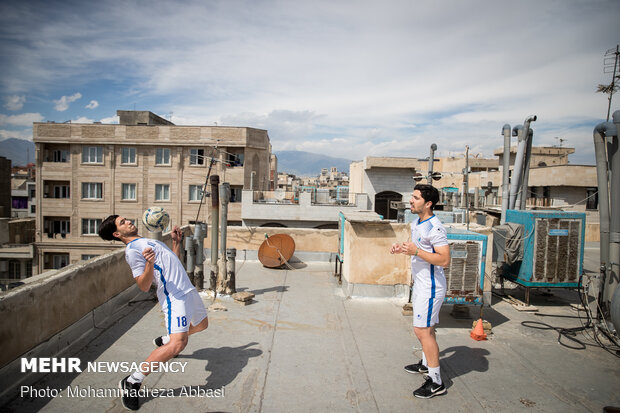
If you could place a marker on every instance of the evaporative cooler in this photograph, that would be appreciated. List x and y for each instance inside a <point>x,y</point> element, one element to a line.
<point>553,245</point>
<point>465,274</point>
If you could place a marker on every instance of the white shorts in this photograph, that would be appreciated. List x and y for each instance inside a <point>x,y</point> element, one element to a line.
<point>181,312</point>
<point>426,308</point>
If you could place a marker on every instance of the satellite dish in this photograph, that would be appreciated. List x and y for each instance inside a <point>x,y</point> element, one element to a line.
<point>276,250</point>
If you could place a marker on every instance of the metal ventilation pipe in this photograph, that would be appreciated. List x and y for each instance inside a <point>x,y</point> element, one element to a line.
<point>200,232</point>
<point>613,154</point>
<point>191,254</point>
<point>430,164</point>
<point>517,193</point>
<point>506,172</point>
<point>518,166</point>
<point>215,216</point>
<point>526,172</point>
<point>600,132</point>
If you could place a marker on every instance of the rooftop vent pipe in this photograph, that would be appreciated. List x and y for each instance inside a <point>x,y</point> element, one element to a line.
<point>521,168</point>
<point>506,172</point>
<point>613,154</point>
<point>526,169</point>
<point>430,164</point>
<point>600,132</point>
<point>515,182</point>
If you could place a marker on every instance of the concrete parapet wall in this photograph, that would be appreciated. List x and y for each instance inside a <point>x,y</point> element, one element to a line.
<point>49,303</point>
<point>367,258</point>
<point>306,239</point>
<point>52,303</point>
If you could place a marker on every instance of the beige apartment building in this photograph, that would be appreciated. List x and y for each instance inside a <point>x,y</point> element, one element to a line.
<point>553,183</point>
<point>89,171</point>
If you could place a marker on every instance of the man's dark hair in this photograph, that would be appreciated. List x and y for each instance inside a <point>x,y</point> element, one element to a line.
<point>108,228</point>
<point>429,193</point>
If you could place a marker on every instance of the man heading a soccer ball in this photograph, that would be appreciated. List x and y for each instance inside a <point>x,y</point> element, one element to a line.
<point>151,261</point>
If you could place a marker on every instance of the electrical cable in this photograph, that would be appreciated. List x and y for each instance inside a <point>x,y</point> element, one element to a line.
<point>570,333</point>
<point>204,192</point>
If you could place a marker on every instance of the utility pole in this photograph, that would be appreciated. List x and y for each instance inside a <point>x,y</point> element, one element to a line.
<point>466,185</point>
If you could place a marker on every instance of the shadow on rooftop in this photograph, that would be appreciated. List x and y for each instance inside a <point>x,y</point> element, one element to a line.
<point>460,360</point>
<point>447,320</point>
<point>276,288</point>
<point>223,365</point>
<point>544,297</point>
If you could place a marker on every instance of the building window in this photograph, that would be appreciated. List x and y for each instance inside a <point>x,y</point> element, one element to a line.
<point>592,198</point>
<point>162,192</point>
<point>129,192</point>
<point>92,154</point>
<point>195,192</point>
<point>234,159</point>
<point>33,209</point>
<point>162,156</point>
<point>14,270</point>
<point>235,194</point>
<point>90,226</point>
<point>196,156</point>
<point>19,202</point>
<point>92,190</point>
<point>86,257</point>
<point>58,225</point>
<point>60,261</point>
<point>60,155</point>
<point>128,156</point>
<point>62,191</point>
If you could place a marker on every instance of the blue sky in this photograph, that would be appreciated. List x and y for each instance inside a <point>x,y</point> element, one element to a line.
<point>344,78</point>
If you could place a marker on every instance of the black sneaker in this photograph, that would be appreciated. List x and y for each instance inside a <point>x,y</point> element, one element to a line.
<point>129,394</point>
<point>417,368</point>
<point>158,342</point>
<point>429,389</point>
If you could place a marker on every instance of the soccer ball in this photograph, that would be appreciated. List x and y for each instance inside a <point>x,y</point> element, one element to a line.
<point>155,219</point>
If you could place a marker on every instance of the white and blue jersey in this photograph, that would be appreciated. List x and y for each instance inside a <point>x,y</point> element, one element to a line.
<point>429,281</point>
<point>169,275</point>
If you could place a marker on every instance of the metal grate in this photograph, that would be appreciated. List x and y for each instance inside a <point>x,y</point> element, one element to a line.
<point>557,250</point>
<point>463,274</point>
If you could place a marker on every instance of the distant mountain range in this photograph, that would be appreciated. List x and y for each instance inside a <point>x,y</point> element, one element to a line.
<point>299,163</point>
<point>19,151</point>
<point>308,164</point>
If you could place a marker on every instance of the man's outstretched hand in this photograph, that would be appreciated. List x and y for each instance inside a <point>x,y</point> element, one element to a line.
<point>176,234</point>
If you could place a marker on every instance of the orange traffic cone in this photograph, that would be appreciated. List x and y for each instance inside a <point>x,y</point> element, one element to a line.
<point>478,332</point>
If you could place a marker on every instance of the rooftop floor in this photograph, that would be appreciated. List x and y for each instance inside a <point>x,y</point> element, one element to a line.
<point>301,346</point>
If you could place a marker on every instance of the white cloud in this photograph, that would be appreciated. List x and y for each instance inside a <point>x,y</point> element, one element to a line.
<point>62,104</point>
<point>110,120</point>
<point>82,119</point>
<point>15,102</point>
<point>92,105</point>
<point>24,119</point>
<point>19,134</point>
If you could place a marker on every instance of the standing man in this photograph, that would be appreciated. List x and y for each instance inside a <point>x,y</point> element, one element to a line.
<point>185,314</point>
<point>429,252</point>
